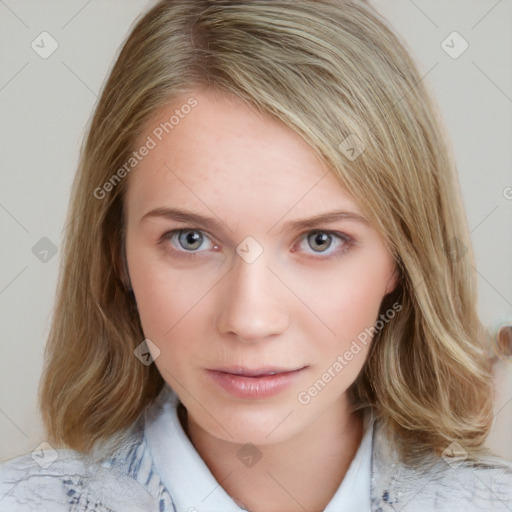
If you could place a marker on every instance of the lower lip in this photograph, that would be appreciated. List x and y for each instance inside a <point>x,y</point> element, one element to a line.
<point>254,387</point>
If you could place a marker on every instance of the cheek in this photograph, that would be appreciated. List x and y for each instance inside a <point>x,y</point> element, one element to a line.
<point>358,307</point>
<point>167,306</point>
<point>163,294</point>
<point>346,301</point>
<point>350,311</point>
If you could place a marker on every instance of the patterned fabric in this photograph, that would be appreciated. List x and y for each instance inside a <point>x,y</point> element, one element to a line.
<point>129,482</point>
<point>438,485</point>
<point>76,483</point>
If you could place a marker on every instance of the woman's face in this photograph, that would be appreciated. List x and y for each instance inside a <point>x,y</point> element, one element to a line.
<point>260,308</point>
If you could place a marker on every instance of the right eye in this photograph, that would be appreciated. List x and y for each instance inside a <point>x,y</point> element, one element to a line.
<point>188,241</point>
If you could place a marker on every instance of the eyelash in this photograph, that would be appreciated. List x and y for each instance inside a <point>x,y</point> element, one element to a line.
<point>346,243</point>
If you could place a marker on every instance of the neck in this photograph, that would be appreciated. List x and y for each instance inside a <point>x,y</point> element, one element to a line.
<point>301,473</point>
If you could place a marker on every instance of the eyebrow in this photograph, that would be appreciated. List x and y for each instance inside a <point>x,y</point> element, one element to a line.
<point>213,224</point>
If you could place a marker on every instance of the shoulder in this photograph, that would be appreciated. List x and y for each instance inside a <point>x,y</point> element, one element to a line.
<point>65,480</point>
<point>466,487</point>
<point>441,484</point>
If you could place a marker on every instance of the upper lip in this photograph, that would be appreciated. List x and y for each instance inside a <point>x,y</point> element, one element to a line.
<point>257,372</point>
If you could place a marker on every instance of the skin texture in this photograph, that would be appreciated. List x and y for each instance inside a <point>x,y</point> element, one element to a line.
<point>299,304</point>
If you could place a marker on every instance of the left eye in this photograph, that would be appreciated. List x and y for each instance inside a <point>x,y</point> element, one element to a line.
<point>321,241</point>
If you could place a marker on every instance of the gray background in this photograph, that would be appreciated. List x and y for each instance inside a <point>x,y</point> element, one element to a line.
<point>46,103</point>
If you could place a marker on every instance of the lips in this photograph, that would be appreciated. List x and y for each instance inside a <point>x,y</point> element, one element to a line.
<point>254,383</point>
<point>257,372</point>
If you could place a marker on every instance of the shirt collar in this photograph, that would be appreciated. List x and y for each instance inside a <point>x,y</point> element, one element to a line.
<point>354,490</point>
<point>186,476</point>
<point>194,488</point>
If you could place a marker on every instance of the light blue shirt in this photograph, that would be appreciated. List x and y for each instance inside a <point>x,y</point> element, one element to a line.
<point>155,468</point>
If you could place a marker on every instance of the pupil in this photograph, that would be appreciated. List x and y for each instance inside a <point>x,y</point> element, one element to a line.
<point>321,239</point>
<point>192,239</point>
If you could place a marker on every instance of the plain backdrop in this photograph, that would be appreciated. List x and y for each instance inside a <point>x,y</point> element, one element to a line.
<point>46,103</point>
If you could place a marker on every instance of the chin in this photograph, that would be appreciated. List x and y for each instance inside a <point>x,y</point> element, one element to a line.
<point>255,423</point>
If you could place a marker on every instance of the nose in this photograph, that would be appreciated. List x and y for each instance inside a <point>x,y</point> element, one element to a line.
<point>252,307</point>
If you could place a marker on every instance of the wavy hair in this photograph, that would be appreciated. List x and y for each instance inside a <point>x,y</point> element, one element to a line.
<point>328,70</point>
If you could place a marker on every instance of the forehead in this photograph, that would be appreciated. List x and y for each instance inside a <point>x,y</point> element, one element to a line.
<point>224,156</point>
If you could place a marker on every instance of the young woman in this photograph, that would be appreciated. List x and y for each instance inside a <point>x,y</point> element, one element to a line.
<point>264,304</point>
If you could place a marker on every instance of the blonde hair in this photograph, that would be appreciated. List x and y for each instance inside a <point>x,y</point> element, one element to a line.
<point>328,70</point>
